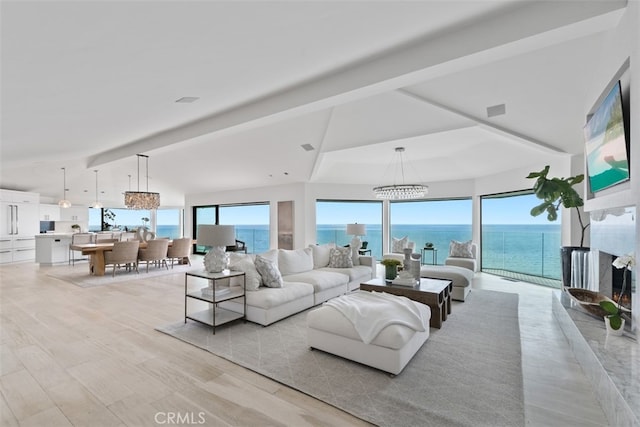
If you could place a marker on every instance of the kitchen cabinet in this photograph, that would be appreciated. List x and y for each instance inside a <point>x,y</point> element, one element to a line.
<point>49,212</point>
<point>19,223</point>
<point>77,214</point>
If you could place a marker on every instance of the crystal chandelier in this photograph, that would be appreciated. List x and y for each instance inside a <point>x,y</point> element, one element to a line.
<point>64,203</point>
<point>142,199</point>
<point>400,191</point>
<point>96,204</point>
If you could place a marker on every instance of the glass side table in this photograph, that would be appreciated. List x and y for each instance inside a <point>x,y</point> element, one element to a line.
<point>221,287</point>
<point>434,255</point>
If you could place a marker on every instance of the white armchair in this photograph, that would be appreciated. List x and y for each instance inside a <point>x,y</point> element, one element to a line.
<point>463,255</point>
<point>397,248</point>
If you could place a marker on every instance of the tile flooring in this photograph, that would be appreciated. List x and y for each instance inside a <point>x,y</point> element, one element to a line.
<point>90,356</point>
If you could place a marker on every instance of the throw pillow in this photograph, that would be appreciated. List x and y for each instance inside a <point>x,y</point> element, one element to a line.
<point>460,249</point>
<point>269,271</point>
<point>397,245</point>
<point>340,258</point>
<point>295,261</point>
<point>244,262</point>
<point>321,254</point>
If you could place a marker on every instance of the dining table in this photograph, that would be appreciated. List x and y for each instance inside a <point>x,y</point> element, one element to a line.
<point>96,251</point>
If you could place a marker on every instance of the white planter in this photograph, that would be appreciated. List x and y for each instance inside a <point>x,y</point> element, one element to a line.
<point>610,330</point>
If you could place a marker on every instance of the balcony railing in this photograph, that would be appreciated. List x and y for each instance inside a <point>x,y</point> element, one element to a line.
<point>525,253</point>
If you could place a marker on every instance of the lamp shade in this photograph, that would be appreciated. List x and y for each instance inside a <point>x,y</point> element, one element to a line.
<point>356,229</point>
<point>216,235</point>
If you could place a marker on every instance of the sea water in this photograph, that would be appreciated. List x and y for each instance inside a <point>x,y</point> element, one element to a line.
<point>521,248</point>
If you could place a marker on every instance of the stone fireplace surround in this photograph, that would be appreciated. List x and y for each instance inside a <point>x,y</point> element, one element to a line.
<point>611,363</point>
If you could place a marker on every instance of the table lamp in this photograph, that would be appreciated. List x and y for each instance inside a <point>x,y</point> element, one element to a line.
<point>356,230</point>
<point>217,238</point>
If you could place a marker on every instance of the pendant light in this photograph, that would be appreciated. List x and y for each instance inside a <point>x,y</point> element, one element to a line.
<point>400,191</point>
<point>96,204</point>
<point>64,203</point>
<point>142,199</point>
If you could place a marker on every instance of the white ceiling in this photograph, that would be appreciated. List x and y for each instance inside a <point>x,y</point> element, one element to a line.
<point>87,85</point>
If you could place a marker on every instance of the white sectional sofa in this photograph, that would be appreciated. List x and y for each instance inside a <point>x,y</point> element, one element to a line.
<point>307,280</point>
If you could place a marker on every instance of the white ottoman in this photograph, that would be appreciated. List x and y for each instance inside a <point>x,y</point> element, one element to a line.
<point>461,278</point>
<point>328,330</point>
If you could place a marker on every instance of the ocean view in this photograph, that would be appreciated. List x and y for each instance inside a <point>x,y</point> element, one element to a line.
<point>528,249</point>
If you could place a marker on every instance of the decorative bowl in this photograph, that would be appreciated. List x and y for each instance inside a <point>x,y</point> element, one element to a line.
<point>589,301</point>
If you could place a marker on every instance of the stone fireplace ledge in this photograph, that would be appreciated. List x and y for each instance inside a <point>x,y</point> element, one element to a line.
<point>611,363</point>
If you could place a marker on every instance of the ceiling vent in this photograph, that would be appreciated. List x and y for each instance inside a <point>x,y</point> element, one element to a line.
<point>496,110</point>
<point>187,99</point>
<point>307,147</point>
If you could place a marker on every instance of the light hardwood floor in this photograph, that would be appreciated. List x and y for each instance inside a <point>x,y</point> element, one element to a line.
<point>91,357</point>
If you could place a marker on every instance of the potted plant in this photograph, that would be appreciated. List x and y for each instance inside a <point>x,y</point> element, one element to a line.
<point>145,220</point>
<point>614,320</point>
<point>428,245</point>
<point>75,228</point>
<point>390,268</point>
<point>556,192</point>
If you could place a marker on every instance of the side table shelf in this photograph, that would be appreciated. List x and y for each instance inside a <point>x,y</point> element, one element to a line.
<point>214,315</point>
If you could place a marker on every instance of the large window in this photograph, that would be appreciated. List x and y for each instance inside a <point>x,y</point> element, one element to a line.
<point>251,222</point>
<point>514,242</point>
<point>169,223</point>
<point>333,216</point>
<point>117,219</point>
<point>432,221</point>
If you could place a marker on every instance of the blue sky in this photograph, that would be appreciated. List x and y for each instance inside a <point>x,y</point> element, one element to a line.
<point>511,210</point>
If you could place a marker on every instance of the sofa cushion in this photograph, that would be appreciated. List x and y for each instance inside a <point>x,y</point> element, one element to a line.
<point>320,279</point>
<point>267,298</point>
<point>340,258</point>
<point>321,254</point>
<point>271,255</point>
<point>295,261</point>
<point>398,245</point>
<point>244,262</point>
<point>460,249</point>
<point>268,269</point>
<point>357,272</point>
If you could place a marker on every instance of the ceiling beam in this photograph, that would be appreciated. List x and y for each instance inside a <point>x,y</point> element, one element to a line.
<point>527,26</point>
<point>530,141</point>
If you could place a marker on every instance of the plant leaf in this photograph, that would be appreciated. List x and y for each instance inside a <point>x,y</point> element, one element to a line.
<point>615,321</point>
<point>609,307</point>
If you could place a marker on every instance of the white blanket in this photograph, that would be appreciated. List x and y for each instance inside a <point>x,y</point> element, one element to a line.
<point>371,312</point>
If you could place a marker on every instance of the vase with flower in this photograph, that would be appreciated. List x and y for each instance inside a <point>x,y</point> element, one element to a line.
<point>614,320</point>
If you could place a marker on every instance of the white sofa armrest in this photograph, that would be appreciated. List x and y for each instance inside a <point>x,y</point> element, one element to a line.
<point>369,261</point>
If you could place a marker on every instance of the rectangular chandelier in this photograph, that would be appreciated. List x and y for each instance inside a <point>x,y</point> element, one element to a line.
<point>141,200</point>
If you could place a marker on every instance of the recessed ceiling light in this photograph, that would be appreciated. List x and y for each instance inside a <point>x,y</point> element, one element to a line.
<point>187,99</point>
<point>307,147</point>
<point>496,110</point>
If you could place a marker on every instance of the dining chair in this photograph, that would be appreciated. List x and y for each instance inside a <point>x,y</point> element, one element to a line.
<point>103,237</point>
<point>180,250</point>
<point>78,239</point>
<point>123,253</point>
<point>156,252</point>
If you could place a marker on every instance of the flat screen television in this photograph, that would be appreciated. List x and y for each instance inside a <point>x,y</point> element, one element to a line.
<point>607,148</point>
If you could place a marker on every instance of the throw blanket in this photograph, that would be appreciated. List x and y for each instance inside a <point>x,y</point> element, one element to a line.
<point>371,312</point>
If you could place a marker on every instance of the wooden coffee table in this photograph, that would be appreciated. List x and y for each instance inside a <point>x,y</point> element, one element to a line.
<point>436,293</point>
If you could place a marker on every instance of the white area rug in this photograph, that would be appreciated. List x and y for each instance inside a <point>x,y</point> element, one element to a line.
<point>469,373</point>
<point>78,274</point>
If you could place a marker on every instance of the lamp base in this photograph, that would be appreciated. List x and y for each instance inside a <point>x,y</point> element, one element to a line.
<point>216,260</point>
<point>355,246</point>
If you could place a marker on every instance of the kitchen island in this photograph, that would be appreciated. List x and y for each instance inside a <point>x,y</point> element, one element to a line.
<point>52,248</point>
